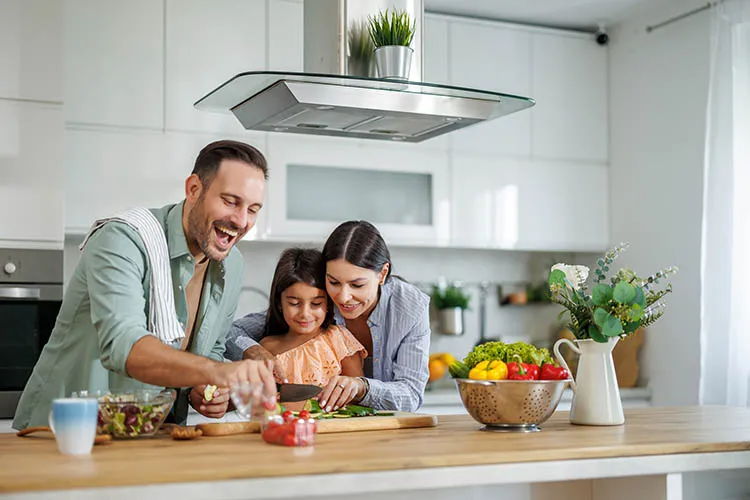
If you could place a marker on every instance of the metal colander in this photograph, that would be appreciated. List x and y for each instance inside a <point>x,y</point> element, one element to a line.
<point>511,405</point>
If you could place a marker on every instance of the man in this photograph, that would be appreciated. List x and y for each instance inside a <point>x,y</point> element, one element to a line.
<point>101,340</point>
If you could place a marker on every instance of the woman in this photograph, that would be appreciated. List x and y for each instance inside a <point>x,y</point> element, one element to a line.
<point>388,316</point>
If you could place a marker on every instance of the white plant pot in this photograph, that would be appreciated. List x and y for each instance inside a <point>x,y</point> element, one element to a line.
<point>393,61</point>
<point>451,321</point>
<point>596,395</point>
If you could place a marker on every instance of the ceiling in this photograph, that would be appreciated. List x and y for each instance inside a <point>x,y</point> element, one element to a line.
<point>585,15</point>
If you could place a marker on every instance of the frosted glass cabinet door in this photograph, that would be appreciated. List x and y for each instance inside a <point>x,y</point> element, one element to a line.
<point>319,183</point>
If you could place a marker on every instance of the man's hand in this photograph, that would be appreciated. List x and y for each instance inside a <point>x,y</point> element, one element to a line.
<point>258,374</point>
<point>257,352</point>
<point>216,407</point>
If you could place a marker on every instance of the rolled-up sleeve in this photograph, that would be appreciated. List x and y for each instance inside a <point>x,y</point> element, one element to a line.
<point>244,333</point>
<point>115,269</point>
<point>410,372</point>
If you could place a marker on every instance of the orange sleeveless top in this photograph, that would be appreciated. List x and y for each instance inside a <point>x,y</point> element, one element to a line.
<point>318,360</point>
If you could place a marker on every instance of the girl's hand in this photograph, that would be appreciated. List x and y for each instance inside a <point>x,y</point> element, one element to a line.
<point>340,391</point>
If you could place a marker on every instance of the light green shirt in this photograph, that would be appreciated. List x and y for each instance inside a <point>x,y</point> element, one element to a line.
<point>105,310</point>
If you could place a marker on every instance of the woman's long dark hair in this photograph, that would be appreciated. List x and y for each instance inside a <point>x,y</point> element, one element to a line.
<point>296,265</point>
<point>358,242</point>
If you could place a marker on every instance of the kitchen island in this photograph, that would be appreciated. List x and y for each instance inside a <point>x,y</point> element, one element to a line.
<point>649,457</point>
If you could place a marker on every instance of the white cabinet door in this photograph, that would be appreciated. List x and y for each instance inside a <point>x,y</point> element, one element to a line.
<point>435,62</point>
<point>527,205</point>
<point>207,43</point>
<point>488,56</point>
<point>563,206</point>
<point>113,62</point>
<point>570,86</point>
<point>485,202</point>
<point>31,50</point>
<point>317,183</point>
<point>285,35</point>
<point>31,194</point>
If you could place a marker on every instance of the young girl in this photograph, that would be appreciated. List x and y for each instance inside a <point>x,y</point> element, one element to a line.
<point>300,329</point>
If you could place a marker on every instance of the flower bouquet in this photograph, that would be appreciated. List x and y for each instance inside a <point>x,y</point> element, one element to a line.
<point>613,308</point>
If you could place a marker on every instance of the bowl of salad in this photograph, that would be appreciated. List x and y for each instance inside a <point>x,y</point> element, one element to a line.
<point>133,414</point>
<point>509,387</point>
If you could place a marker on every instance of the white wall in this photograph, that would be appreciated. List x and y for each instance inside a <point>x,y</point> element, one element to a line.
<point>658,93</point>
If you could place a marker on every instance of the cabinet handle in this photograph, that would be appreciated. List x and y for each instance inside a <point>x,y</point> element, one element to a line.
<point>20,293</point>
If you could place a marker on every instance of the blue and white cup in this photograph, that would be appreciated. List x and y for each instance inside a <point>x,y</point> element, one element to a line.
<point>73,421</point>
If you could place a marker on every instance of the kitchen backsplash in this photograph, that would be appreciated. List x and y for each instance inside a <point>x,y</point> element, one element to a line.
<point>423,266</point>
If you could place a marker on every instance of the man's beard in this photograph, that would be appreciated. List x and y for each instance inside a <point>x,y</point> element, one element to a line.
<point>201,232</point>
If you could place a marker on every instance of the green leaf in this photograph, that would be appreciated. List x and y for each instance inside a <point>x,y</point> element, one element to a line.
<point>596,335</point>
<point>601,294</point>
<point>623,293</point>
<point>557,277</point>
<point>640,297</point>
<point>612,327</point>
<point>600,316</point>
<point>632,326</point>
<point>635,313</point>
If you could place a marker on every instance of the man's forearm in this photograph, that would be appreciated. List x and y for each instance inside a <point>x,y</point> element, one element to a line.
<point>258,353</point>
<point>154,363</point>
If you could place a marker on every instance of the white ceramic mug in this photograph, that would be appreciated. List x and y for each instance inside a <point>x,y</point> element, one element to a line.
<point>73,421</point>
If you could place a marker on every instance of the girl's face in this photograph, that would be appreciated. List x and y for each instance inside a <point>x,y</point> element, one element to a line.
<point>304,308</point>
<point>353,289</point>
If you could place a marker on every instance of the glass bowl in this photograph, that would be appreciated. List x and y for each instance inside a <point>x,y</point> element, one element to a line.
<point>132,414</point>
<point>287,430</point>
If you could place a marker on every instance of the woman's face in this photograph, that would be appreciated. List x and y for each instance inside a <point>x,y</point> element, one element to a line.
<point>304,308</point>
<point>353,289</point>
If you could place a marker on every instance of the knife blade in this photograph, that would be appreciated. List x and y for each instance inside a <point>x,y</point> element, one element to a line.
<point>297,392</point>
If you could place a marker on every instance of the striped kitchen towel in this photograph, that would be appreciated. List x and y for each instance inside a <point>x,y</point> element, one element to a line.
<point>162,318</point>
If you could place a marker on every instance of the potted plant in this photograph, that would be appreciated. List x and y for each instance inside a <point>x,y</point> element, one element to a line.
<point>392,32</point>
<point>614,308</point>
<point>450,302</point>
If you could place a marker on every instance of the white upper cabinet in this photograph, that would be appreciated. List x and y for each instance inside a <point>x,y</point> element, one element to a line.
<point>113,62</point>
<point>563,206</point>
<point>207,43</point>
<point>435,57</point>
<point>569,120</point>
<point>285,35</point>
<point>529,205</point>
<point>490,56</point>
<point>31,50</point>
<point>31,196</point>
<point>317,183</point>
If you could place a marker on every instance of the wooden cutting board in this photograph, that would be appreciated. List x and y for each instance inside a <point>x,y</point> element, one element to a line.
<point>400,420</point>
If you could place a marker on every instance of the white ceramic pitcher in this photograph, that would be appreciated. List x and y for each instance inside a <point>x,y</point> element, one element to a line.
<point>596,395</point>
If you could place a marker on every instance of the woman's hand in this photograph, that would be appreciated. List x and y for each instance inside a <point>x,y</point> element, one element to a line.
<point>340,391</point>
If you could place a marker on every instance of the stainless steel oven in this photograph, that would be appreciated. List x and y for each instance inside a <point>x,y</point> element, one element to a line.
<point>31,284</point>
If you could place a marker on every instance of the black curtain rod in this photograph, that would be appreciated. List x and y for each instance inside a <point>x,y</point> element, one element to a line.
<point>671,20</point>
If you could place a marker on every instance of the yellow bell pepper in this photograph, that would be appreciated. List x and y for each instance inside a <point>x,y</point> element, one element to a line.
<point>482,365</point>
<point>497,370</point>
<point>477,374</point>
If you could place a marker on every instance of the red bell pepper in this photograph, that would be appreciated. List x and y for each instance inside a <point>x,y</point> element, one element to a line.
<point>522,371</point>
<point>552,372</point>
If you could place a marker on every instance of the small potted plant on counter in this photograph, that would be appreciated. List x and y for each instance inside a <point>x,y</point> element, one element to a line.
<point>450,302</point>
<point>392,32</point>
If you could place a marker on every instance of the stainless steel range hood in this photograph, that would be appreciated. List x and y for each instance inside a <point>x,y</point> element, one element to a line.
<point>339,93</point>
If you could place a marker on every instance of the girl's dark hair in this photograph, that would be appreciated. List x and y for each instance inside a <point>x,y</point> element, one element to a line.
<point>358,242</point>
<point>296,265</point>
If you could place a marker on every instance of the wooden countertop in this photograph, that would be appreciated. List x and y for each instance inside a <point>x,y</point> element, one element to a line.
<point>34,464</point>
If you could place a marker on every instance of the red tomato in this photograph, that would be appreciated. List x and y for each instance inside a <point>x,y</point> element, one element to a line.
<point>287,416</point>
<point>304,414</point>
<point>289,440</point>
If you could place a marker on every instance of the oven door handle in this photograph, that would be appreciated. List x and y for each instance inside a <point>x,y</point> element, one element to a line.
<point>20,293</point>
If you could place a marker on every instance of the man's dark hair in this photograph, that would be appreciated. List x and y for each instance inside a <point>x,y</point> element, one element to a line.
<point>208,160</point>
<point>296,265</point>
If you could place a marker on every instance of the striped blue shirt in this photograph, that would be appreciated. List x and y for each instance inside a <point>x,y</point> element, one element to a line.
<point>400,329</point>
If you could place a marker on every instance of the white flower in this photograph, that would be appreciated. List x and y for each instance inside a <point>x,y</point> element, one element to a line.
<point>575,275</point>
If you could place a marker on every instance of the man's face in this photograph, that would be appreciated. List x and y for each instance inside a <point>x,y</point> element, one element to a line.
<point>222,214</point>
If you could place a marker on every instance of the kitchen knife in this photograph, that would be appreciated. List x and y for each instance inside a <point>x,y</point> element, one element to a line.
<point>297,392</point>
